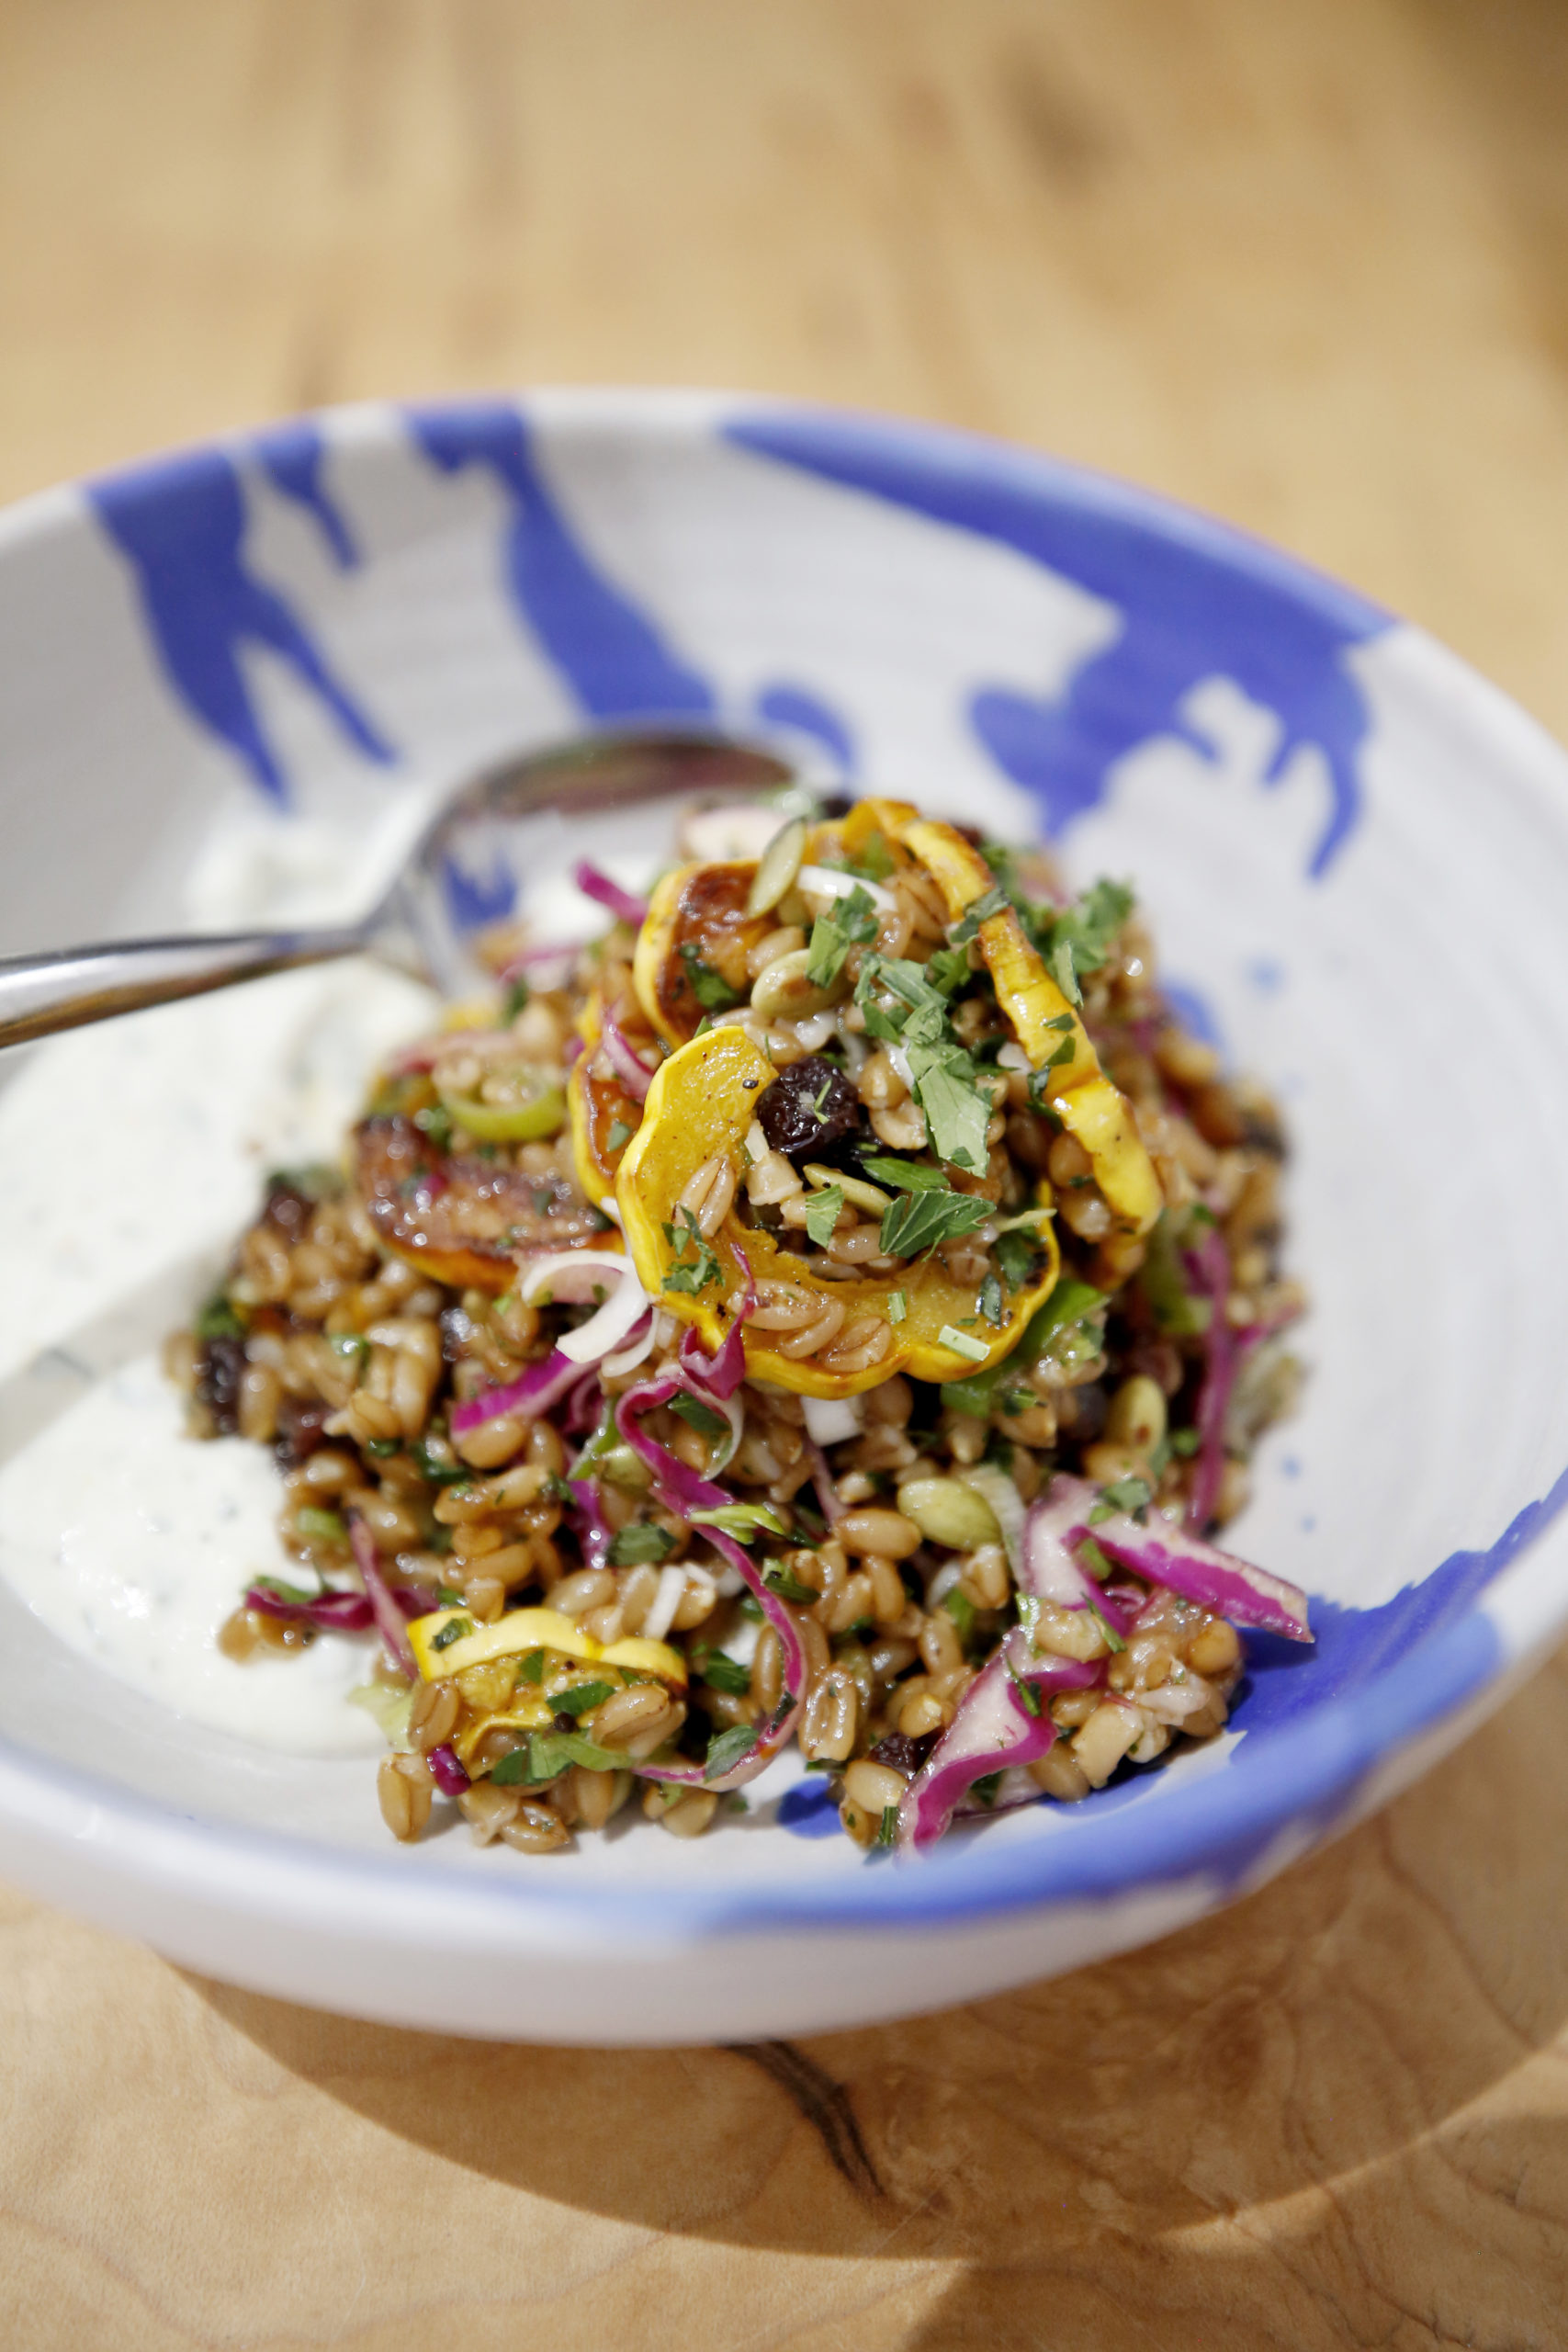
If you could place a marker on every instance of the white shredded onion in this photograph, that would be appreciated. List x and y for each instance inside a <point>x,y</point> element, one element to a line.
<point>569,1275</point>
<point>579,1268</point>
<point>627,1359</point>
<point>665,1602</point>
<point>830,1418</point>
<point>826,882</point>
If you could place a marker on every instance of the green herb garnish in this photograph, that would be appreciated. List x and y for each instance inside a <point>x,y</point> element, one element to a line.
<point>920,1220</point>
<point>320,1526</point>
<point>721,1672</point>
<point>579,1697</point>
<point>704,1267</point>
<point>780,1582</point>
<point>698,1416</point>
<point>619,1135</point>
<point>850,922</point>
<point>1132,1495</point>
<point>711,989</point>
<point>822,1214</point>
<point>888,1829</point>
<point>633,1547</point>
<point>218,1319</point>
<point>458,1630</point>
<point>726,1749</point>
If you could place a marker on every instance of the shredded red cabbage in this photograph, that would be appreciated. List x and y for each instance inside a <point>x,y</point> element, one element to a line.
<point>595,884</point>
<point>532,1393</point>
<point>588,1519</point>
<point>994,1730</point>
<point>724,1372</point>
<point>822,1484</point>
<point>388,1616</point>
<point>1047,1569</point>
<point>628,1063</point>
<point>450,1776</point>
<point>334,1612</point>
<point>1183,1563</point>
<point>683,1491</point>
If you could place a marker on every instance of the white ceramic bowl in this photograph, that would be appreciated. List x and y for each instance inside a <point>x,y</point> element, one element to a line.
<point>1355,858</point>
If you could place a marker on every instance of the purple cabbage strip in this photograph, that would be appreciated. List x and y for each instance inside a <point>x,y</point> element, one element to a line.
<point>1212,1266</point>
<point>449,1775</point>
<point>332,1612</point>
<point>822,1484</point>
<point>683,1491</point>
<point>337,1611</point>
<point>724,1372</point>
<point>594,883</point>
<point>626,1062</point>
<point>1182,1563</point>
<point>388,1616</point>
<point>533,1393</point>
<point>992,1731</point>
<point>1048,1569</point>
<point>588,1519</point>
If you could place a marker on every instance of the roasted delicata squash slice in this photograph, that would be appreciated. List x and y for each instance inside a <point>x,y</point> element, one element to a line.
<point>448,1641</point>
<point>605,1117</point>
<point>699,1110</point>
<point>692,949</point>
<point>1046,1026</point>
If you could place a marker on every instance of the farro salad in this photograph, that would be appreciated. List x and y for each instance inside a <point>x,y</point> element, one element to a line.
<point>833,1308</point>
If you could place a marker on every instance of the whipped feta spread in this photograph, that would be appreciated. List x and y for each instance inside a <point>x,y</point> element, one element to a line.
<point>130,1155</point>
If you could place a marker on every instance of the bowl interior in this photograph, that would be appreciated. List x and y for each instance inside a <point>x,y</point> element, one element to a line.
<point>231,682</point>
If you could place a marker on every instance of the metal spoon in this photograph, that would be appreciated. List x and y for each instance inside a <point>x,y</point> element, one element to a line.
<point>412,926</point>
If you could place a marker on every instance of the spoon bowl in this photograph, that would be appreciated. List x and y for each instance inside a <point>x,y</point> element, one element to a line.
<point>422,924</point>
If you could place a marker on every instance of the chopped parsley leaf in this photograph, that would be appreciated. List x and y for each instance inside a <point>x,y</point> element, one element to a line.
<point>726,1749</point>
<point>1017,1255</point>
<point>619,1136</point>
<point>822,1213</point>
<point>961,1609</point>
<point>704,1267</point>
<point>907,1174</point>
<point>849,922</point>
<point>711,989</point>
<point>994,903</point>
<point>532,1667</point>
<point>218,1319</point>
<point>1133,1494</point>
<point>888,1829</point>
<point>784,1586</point>
<point>631,1547</point>
<point>721,1672</point>
<point>1184,1442</point>
<point>514,1000</point>
<point>699,1417</point>
<point>456,1631</point>
<point>920,1220</point>
<point>581,1697</point>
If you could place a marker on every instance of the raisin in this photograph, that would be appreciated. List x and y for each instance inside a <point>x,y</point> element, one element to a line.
<point>219,1369</point>
<point>808,1109</point>
<point>288,1210</point>
<point>905,1755</point>
<point>302,1428</point>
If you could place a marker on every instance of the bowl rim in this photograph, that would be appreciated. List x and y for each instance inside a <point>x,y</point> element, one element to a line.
<point>1231,1827</point>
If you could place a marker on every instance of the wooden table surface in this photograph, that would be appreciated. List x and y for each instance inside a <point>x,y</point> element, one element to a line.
<point>1298,261</point>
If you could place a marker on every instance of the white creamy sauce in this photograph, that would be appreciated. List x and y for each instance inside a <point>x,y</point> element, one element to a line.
<point>130,1157</point>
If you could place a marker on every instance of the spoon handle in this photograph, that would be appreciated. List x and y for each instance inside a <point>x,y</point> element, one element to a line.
<point>39,994</point>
